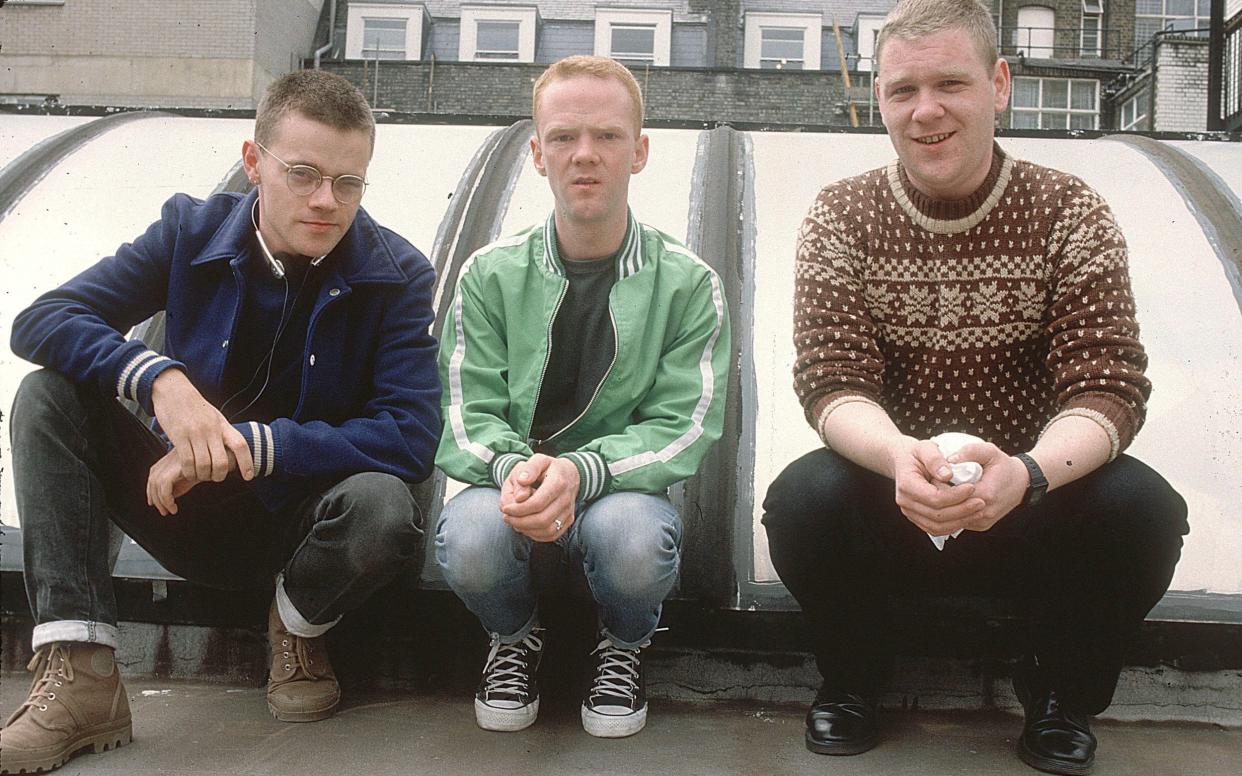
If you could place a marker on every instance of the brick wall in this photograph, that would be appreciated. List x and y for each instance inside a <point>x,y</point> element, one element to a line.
<point>172,53</point>
<point>1117,26</point>
<point>488,89</point>
<point>223,28</point>
<point>1181,85</point>
<point>722,39</point>
<point>1119,16</point>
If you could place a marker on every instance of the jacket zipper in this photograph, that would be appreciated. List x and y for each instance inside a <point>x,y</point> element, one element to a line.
<point>547,356</point>
<point>615,347</point>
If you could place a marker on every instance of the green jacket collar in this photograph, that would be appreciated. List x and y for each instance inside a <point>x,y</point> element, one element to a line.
<point>629,258</point>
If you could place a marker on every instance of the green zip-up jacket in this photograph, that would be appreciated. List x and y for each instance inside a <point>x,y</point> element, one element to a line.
<point>661,403</point>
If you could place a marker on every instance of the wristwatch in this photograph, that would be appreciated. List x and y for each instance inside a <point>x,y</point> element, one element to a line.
<point>1039,483</point>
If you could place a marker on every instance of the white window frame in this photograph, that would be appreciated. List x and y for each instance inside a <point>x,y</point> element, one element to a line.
<point>1093,20</point>
<point>1041,108</point>
<point>1139,103</point>
<point>812,40</point>
<point>1036,41</point>
<point>525,16</point>
<point>505,54</point>
<point>866,28</point>
<point>413,13</point>
<point>1166,19</point>
<point>662,21</point>
<point>401,29</point>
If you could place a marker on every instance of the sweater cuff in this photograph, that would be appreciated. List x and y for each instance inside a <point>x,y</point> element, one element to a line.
<point>502,465</point>
<point>263,448</point>
<point>1115,445</point>
<point>593,476</point>
<point>138,375</point>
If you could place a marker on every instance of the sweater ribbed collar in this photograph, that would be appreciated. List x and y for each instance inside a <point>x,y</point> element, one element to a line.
<point>949,217</point>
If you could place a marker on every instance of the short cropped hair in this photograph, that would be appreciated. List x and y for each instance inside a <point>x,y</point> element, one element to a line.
<point>317,95</point>
<point>597,67</point>
<point>916,18</point>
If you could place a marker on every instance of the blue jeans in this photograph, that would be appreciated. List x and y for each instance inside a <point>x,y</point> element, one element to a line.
<point>627,543</point>
<point>80,461</point>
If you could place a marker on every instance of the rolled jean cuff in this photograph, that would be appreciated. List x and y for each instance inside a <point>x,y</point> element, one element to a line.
<point>621,644</point>
<point>521,633</point>
<point>83,631</point>
<point>293,620</point>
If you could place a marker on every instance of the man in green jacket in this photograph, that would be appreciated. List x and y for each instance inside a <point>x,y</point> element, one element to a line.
<point>586,360</point>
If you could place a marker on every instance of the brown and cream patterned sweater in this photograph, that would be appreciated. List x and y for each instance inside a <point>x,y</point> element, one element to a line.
<point>994,315</point>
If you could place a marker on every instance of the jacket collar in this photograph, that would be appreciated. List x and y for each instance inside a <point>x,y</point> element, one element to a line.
<point>630,258</point>
<point>362,255</point>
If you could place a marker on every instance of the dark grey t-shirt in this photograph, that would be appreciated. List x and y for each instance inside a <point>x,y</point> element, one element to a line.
<point>583,346</point>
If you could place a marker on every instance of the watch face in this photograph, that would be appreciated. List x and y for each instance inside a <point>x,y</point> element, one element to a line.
<point>1038,483</point>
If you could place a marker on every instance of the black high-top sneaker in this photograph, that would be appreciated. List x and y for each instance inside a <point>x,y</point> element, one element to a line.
<point>615,705</point>
<point>508,694</point>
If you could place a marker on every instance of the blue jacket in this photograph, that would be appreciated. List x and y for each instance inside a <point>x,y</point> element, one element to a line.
<point>370,391</point>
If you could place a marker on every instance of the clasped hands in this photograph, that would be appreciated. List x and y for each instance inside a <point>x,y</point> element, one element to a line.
<point>925,496</point>
<point>205,446</point>
<point>537,498</point>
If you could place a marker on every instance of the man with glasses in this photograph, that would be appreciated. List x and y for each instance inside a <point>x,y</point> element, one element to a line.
<point>295,397</point>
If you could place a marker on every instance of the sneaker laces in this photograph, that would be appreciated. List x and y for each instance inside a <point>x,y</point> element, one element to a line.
<point>616,675</point>
<point>56,668</point>
<point>508,669</point>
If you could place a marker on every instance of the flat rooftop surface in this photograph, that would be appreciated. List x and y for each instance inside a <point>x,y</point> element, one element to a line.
<point>190,729</point>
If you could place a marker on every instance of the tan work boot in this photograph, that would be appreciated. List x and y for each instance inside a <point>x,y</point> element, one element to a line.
<point>76,702</point>
<point>301,686</point>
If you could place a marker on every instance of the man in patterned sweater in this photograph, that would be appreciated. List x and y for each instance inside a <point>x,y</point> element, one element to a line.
<point>960,289</point>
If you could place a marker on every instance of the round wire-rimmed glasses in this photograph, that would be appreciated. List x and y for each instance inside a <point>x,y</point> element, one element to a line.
<point>304,180</point>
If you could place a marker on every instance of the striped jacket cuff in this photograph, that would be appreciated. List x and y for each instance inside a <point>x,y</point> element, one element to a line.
<point>138,375</point>
<point>502,465</point>
<point>262,444</point>
<point>593,476</point>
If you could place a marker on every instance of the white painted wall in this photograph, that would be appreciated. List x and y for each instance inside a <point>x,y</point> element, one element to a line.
<point>102,195</point>
<point>1191,324</point>
<point>109,191</point>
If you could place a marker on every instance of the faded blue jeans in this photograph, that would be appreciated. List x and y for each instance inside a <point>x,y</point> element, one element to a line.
<point>628,545</point>
<point>80,461</point>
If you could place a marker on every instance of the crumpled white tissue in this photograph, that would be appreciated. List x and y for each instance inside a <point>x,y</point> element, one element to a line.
<point>967,471</point>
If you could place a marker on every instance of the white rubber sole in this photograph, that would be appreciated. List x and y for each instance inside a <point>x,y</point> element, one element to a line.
<point>613,726</point>
<point>505,720</point>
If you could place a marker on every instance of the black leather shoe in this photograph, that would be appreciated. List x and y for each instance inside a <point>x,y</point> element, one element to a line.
<point>1055,739</point>
<point>841,723</point>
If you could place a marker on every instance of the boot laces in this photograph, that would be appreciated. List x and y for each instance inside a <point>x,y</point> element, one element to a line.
<point>56,672</point>
<point>616,675</point>
<point>303,654</point>
<point>509,669</point>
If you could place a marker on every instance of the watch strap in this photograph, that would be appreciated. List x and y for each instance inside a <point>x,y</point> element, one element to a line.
<point>1039,483</point>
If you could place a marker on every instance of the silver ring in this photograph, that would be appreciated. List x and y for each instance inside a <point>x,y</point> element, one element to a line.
<point>558,524</point>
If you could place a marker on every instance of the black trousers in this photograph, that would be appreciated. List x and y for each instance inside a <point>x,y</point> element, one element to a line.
<point>80,461</point>
<point>1088,563</point>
